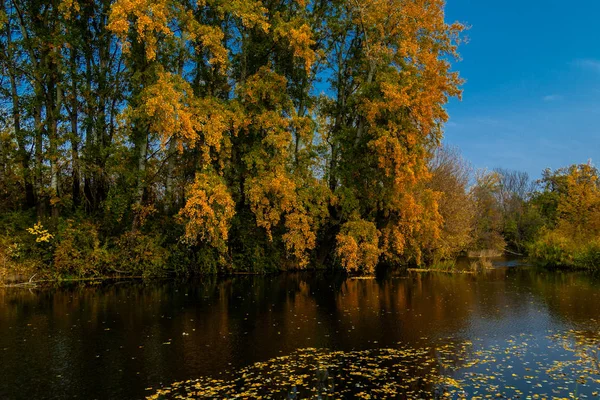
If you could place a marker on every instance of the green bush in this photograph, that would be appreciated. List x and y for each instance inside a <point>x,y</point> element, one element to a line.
<point>78,252</point>
<point>555,250</point>
<point>139,254</point>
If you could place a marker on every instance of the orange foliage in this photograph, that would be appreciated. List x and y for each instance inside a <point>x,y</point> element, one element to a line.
<point>404,84</point>
<point>357,246</point>
<point>175,114</point>
<point>150,19</point>
<point>208,211</point>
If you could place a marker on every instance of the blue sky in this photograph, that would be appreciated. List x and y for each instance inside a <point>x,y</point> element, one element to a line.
<point>532,96</point>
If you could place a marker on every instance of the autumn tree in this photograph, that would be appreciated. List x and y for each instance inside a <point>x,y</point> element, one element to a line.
<point>570,198</point>
<point>391,78</point>
<point>488,237</point>
<point>451,176</point>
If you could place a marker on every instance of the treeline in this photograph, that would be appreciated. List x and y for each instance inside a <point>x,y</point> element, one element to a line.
<point>554,221</point>
<point>156,136</point>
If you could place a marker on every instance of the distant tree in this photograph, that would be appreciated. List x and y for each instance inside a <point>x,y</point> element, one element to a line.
<point>520,221</point>
<point>488,212</point>
<point>570,202</point>
<point>450,176</point>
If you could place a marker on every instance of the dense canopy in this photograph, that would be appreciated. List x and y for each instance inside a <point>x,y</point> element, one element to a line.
<point>284,132</point>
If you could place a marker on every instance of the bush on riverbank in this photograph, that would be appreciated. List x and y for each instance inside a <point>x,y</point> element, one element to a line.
<point>570,202</point>
<point>555,250</point>
<point>75,249</point>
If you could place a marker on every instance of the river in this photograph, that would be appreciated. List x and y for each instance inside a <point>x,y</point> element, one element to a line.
<point>125,340</point>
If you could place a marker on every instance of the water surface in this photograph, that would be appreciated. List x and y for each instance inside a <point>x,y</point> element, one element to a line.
<point>124,340</point>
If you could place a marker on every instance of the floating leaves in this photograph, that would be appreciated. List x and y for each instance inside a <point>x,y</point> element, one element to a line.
<point>557,366</point>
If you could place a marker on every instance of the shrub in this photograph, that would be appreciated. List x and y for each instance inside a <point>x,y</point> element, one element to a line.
<point>139,254</point>
<point>78,252</point>
<point>555,250</point>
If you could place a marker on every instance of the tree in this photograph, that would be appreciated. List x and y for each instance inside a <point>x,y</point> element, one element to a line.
<point>570,202</point>
<point>488,213</point>
<point>451,176</point>
<point>391,79</point>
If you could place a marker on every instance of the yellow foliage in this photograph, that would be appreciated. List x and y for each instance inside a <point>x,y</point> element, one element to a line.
<point>358,246</point>
<point>150,18</point>
<point>298,35</point>
<point>579,206</point>
<point>273,192</point>
<point>210,38</point>
<point>252,13</point>
<point>270,196</point>
<point>41,235</point>
<point>208,211</point>
<point>174,113</point>
<point>69,7</point>
<point>300,236</point>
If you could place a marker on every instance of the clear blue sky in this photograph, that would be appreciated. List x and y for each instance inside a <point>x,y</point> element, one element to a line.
<point>532,96</point>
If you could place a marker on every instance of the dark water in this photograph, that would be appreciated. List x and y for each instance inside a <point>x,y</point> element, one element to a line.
<point>119,340</point>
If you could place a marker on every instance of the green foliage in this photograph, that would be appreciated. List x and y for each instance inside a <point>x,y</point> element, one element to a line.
<point>488,214</point>
<point>552,249</point>
<point>78,252</point>
<point>139,254</point>
<point>570,205</point>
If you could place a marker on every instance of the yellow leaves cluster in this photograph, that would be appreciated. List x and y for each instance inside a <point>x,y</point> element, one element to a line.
<point>209,38</point>
<point>454,369</point>
<point>358,246</point>
<point>174,113</point>
<point>167,104</point>
<point>266,89</point>
<point>252,13</point>
<point>579,206</point>
<point>299,37</point>
<point>149,19</point>
<point>273,197</point>
<point>300,235</point>
<point>270,196</point>
<point>208,211</point>
<point>273,193</point>
<point>68,8</point>
<point>41,235</point>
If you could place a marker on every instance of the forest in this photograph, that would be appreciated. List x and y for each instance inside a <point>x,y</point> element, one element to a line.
<point>175,137</point>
